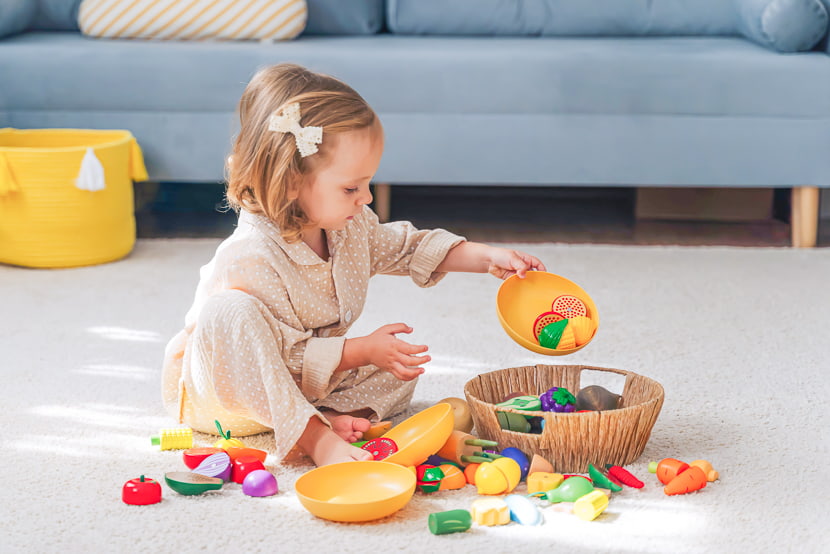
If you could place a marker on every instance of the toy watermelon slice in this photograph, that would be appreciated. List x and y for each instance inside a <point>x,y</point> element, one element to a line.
<point>569,306</point>
<point>380,448</point>
<point>544,320</point>
<point>186,483</point>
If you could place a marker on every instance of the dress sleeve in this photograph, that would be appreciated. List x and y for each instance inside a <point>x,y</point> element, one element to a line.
<point>398,248</point>
<point>312,360</point>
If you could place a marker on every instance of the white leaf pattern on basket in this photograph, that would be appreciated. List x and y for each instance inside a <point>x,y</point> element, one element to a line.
<point>91,176</point>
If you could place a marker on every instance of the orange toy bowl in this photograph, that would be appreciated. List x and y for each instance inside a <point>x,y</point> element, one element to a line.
<point>520,301</point>
<point>355,491</point>
<point>421,435</point>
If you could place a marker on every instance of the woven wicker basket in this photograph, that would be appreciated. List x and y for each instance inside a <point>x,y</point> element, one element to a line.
<point>569,441</point>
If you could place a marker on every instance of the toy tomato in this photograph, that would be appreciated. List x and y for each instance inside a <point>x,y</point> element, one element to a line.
<point>226,441</point>
<point>141,491</point>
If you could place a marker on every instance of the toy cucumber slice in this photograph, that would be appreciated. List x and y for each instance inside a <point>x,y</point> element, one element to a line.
<point>525,403</point>
<point>544,320</point>
<point>569,306</point>
<point>188,484</point>
<point>380,448</point>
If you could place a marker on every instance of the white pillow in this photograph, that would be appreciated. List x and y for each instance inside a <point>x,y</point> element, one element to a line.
<point>193,19</point>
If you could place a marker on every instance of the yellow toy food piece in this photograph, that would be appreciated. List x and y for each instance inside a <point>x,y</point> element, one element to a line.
<point>453,478</point>
<point>377,430</point>
<point>174,439</point>
<point>567,340</point>
<point>498,477</point>
<point>588,507</point>
<point>543,482</point>
<point>583,328</point>
<point>711,474</point>
<point>490,511</point>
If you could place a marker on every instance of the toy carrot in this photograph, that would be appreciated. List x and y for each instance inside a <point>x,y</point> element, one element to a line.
<point>690,480</point>
<point>669,468</point>
<point>624,476</point>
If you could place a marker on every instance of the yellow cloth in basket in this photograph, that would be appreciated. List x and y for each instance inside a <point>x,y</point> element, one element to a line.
<point>47,217</point>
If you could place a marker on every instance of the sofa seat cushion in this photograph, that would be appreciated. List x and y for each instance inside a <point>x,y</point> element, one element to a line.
<point>710,76</point>
<point>353,17</point>
<point>16,16</point>
<point>193,20</point>
<point>783,25</point>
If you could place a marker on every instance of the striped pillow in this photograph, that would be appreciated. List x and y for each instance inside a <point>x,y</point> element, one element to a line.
<point>193,19</point>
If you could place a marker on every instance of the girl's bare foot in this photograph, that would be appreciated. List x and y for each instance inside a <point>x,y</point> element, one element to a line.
<point>347,427</point>
<point>325,446</point>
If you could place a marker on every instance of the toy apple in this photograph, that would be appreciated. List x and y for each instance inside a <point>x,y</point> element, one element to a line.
<point>226,441</point>
<point>141,491</point>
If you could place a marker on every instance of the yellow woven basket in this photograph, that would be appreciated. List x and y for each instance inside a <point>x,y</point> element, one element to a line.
<point>66,196</point>
<point>570,441</point>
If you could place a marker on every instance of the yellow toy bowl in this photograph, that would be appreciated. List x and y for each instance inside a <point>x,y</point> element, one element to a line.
<point>421,435</point>
<point>520,301</point>
<point>355,491</point>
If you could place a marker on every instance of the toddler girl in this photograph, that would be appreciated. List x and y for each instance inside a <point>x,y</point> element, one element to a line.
<point>263,345</point>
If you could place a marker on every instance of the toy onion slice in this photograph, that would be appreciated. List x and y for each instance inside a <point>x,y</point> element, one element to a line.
<point>569,306</point>
<point>544,320</point>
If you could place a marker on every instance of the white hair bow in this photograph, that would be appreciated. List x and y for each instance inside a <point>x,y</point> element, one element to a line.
<point>307,138</point>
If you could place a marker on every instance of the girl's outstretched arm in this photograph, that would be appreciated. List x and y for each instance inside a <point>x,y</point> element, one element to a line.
<point>475,257</point>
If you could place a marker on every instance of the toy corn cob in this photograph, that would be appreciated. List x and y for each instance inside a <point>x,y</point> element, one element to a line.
<point>173,439</point>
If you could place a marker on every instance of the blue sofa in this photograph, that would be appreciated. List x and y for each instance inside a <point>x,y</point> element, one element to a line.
<point>714,93</point>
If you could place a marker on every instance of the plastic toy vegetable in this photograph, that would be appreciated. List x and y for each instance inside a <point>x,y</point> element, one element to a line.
<point>711,474</point>
<point>624,476</point>
<point>428,478</point>
<point>525,403</point>
<point>690,480</point>
<point>570,490</point>
<point>380,448</point>
<point>194,456</point>
<point>217,465</point>
<point>590,506</point>
<point>600,480</point>
<point>552,333</point>
<point>226,441</point>
<point>597,398</point>
<point>244,465</point>
<point>260,482</point>
<point>513,422</point>
<point>464,448</point>
<point>462,418</point>
<point>452,521</point>
<point>544,320</point>
<point>569,306</point>
<point>522,510</point>
<point>189,484</point>
<point>669,468</point>
<point>543,482</point>
<point>490,511</point>
<point>173,439</point>
<point>558,399</point>
<point>141,491</point>
<point>454,478</point>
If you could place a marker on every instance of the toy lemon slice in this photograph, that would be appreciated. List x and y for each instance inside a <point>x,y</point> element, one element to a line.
<point>188,484</point>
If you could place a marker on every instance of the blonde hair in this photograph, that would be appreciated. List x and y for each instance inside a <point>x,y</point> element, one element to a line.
<point>265,166</point>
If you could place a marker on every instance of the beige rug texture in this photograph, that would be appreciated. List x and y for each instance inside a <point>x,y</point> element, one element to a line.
<point>737,336</point>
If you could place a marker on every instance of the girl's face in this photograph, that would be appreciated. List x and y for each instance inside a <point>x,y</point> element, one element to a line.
<point>334,193</point>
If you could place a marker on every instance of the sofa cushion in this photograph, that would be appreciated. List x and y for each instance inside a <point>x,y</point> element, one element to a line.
<point>15,16</point>
<point>784,25</point>
<point>56,15</point>
<point>194,20</point>
<point>336,17</point>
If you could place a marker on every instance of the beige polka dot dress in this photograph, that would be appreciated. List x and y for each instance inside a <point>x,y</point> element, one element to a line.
<point>266,329</point>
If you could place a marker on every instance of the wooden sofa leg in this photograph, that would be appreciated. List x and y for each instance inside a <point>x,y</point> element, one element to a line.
<point>804,216</point>
<point>383,201</point>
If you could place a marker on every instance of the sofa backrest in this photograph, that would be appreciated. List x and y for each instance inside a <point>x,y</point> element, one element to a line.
<point>783,25</point>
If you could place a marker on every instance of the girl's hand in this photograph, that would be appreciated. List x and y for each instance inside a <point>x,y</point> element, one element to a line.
<point>503,263</point>
<point>391,354</point>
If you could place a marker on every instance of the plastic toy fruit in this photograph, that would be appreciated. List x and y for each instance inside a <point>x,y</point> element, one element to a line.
<point>597,398</point>
<point>522,510</point>
<point>260,482</point>
<point>543,482</point>
<point>498,477</point>
<point>669,468</point>
<point>226,441</point>
<point>429,478</point>
<point>193,457</point>
<point>558,399</point>
<point>235,452</point>
<point>569,306</point>
<point>552,333</point>
<point>141,491</point>
<point>244,465</point>
<point>544,320</point>
<point>380,448</point>
<point>188,484</point>
<point>583,329</point>
<point>711,474</point>
<point>519,457</point>
<point>454,478</point>
<point>569,491</point>
<point>462,418</point>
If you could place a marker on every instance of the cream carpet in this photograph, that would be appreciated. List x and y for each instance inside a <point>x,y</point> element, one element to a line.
<point>737,336</point>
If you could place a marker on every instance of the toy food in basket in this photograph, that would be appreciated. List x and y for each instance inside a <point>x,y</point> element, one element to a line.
<point>546,313</point>
<point>570,441</point>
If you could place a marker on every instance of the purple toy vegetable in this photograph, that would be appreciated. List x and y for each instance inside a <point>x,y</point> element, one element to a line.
<point>558,399</point>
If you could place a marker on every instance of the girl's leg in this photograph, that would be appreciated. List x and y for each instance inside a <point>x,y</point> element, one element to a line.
<point>233,371</point>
